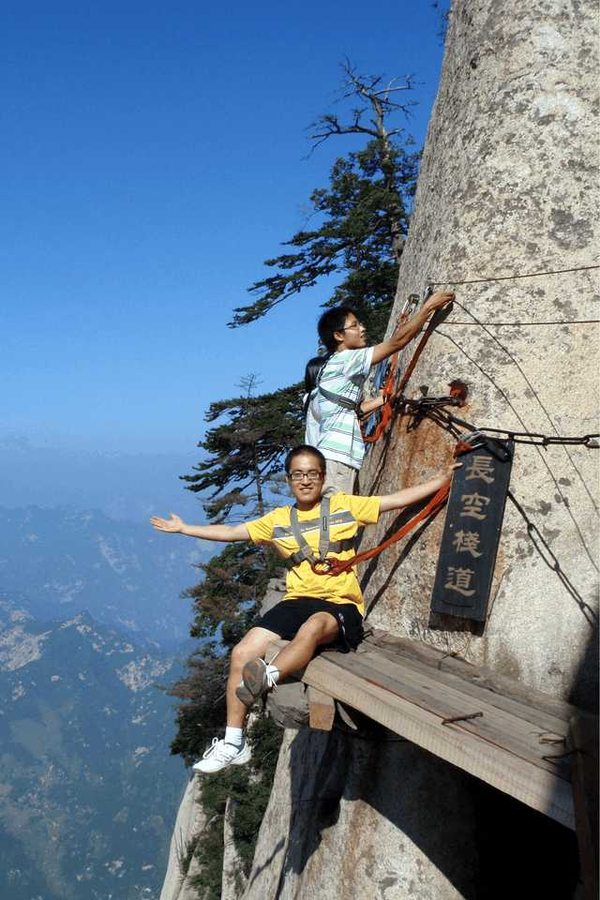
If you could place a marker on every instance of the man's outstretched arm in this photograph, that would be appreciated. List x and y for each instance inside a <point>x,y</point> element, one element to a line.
<point>176,525</point>
<point>408,496</point>
<point>406,332</point>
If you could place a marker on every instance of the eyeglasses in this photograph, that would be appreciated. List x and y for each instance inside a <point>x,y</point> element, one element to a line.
<point>355,325</point>
<point>311,475</point>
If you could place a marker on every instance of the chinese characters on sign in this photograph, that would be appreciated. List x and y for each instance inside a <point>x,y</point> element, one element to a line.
<point>459,580</point>
<point>472,531</point>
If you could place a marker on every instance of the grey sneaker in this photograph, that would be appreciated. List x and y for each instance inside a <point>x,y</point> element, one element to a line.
<point>220,755</point>
<point>257,680</point>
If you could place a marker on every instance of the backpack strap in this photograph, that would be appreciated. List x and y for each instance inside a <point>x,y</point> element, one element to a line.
<point>338,399</point>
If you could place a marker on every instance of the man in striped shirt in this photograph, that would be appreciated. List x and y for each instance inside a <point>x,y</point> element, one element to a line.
<point>342,378</point>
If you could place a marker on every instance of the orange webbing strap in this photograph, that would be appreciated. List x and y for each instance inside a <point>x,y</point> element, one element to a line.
<point>385,413</point>
<point>334,566</point>
<point>389,393</point>
<point>433,323</point>
<point>462,447</point>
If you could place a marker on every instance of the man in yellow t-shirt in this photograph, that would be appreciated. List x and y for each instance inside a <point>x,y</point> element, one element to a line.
<point>317,610</point>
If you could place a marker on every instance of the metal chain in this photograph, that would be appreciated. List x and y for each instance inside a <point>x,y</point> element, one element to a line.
<point>434,408</point>
<point>545,440</point>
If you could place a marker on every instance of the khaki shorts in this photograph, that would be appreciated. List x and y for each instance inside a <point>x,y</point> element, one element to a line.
<point>340,477</point>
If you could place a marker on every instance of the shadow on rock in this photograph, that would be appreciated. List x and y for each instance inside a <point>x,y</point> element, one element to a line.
<point>367,813</point>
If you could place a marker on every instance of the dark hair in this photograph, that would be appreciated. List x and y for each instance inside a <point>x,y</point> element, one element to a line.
<point>331,321</point>
<point>304,448</point>
<point>311,373</point>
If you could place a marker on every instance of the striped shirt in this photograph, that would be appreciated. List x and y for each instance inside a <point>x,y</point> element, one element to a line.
<point>313,417</point>
<point>339,434</point>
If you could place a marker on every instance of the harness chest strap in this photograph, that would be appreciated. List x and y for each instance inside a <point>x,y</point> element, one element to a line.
<point>326,545</point>
<point>339,399</point>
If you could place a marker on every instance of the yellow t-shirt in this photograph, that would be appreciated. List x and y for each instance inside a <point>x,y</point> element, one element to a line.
<point>346,514</point>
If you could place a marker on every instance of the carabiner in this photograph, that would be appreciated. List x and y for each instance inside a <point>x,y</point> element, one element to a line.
<point>322,566</point>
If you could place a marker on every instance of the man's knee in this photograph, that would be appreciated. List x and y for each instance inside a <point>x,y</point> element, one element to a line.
<point>321,626</point>
<point>254,643</point>
<point>239,654</point>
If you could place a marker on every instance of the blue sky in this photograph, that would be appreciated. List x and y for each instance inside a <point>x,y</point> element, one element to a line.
<point>153,155</point>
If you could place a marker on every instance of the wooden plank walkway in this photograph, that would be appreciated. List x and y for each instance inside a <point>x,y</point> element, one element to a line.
<point>509,736</point>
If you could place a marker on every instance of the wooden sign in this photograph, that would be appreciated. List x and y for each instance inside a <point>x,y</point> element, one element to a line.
<point>474,517</point>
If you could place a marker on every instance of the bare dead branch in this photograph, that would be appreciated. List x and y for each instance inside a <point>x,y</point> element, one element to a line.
<point>376,98</point>
<point>390,90</point>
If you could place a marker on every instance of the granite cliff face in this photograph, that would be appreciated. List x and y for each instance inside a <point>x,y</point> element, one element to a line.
<point>181,868</point>
<point>505,190</point>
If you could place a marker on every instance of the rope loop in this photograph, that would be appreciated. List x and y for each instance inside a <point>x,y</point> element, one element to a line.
<point>324,566</point>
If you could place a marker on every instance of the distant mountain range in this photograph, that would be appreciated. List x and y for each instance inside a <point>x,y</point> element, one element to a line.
<point>129,486</point>
<point>60,562</point>
<point>88,790</point>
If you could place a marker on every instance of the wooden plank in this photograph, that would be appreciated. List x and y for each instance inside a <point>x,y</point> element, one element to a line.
<point>495,765</point>
<point>479,675</point>
<point>481,751</point>
<point>471,687</point>
<point>517,718</point>
<point>528,731</point>
<point>425,691</point>
<point>321,709</point>
<point>429,690</point>
<point>583,745</point>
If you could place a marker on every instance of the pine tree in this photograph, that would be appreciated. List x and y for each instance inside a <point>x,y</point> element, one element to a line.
<point>246,448</point>
<point>363,214</point>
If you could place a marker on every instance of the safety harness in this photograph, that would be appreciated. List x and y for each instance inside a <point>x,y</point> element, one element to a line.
<point>338,566</point>
<point>326,545</point>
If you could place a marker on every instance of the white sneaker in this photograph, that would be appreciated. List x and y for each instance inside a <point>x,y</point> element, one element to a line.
<point>220,755</point>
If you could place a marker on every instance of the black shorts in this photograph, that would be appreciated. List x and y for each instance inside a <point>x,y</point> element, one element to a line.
<point>286,618</point>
